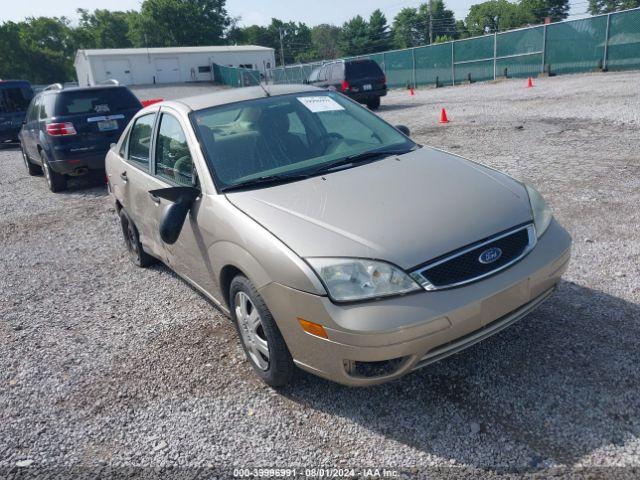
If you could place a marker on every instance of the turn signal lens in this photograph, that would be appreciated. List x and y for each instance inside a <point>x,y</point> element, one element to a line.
<point>312,328</point>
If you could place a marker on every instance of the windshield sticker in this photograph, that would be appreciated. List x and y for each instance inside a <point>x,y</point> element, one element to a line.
<point>102,108</point>
<point>320,104</point>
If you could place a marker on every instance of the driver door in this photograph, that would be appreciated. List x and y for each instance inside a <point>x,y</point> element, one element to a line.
<point>174,167</point>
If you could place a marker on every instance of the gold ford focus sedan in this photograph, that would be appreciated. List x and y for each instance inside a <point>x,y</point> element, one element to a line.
<point>335,243</point>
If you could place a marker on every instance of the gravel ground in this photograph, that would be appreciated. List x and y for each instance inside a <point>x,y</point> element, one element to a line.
<point>103,365</point>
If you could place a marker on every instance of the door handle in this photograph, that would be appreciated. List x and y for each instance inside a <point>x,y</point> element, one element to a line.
<point>154,198</point>
<point>124,177</point>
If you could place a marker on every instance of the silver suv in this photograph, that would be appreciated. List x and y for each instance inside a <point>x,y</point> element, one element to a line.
<point>335,243</point>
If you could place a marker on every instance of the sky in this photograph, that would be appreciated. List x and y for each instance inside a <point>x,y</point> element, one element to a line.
<point>251,11</point>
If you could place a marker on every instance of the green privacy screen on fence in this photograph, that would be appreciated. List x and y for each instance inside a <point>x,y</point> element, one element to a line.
<point>235,77</point>
<point>610,42</point>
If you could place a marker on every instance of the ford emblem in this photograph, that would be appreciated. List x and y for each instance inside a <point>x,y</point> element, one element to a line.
<point>490,256</point>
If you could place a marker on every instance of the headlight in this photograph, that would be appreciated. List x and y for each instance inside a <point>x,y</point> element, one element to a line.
<point>541,212</point>
<point>348,279</point>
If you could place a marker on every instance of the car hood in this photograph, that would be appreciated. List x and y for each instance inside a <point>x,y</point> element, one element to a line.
<point>404,209</point>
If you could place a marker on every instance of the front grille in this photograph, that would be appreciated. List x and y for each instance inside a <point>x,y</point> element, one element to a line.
<point>477,261</point>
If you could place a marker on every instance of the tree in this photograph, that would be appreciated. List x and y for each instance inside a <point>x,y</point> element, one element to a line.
<point>379,37</point>
<point>178,23</point>
<point>607,6</point>
<point>12,58</point>
<point>461,29</point>
<point>540,9</point>
<point>496,15</point>
<point>443,22</point>
<point>103,29</point>
<point>48,49</point>
<point>406,29</point>
<point>354,38</point>
<point>325,39</point>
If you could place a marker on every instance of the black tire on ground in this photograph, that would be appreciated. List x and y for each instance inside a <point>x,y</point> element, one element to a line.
<point>280,368</point>
<point>374,104</point>
<point>55,181</point>
<point>32,168</point>
<point>132,241</point>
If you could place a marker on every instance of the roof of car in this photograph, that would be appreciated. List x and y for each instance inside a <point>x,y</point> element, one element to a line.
<point>79,89</point>
<point>224,97</point>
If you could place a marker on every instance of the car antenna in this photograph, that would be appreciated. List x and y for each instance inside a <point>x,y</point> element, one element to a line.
<point>266,92</point>
<point>264,89</point>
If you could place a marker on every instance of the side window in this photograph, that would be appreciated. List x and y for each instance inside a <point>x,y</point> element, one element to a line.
<point>140,140</point>
<point>32,107</point>
<point>48,106</point>
<point>125,144</point>
<point>173,159</point>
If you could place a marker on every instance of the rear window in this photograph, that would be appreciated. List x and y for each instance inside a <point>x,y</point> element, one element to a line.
<point>15,99</point>
<point>363,68</point>
<point>99,101</point>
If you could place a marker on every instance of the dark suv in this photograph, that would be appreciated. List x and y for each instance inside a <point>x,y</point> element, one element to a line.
<point>361,80</point>
<point>68,131</point>
<point>15,96</point>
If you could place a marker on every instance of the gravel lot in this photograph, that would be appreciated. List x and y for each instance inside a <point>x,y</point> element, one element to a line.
<point>106,365</point>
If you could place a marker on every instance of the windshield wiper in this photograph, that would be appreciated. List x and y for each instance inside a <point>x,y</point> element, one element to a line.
<point>264,181</point>
<point>348,160</point>
<point>360,157</point>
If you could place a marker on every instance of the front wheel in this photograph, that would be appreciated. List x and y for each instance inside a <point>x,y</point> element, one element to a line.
<point>260,337</point>
<point>55,181</point>
<point>132,241</point>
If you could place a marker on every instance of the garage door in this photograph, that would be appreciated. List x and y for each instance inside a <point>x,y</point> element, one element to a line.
<point>167,70</point>
<point>119,70</point>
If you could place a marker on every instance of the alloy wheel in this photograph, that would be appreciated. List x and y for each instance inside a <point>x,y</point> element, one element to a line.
<point>251,330</point>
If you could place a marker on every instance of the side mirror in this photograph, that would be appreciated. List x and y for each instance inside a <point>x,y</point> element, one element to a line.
<point>404,129</point>
<point>174,215</point>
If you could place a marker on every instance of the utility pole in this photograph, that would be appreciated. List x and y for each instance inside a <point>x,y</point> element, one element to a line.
<point>281,46</point>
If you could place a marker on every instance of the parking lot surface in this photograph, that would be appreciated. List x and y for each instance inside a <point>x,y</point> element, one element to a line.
<point>102,363</point>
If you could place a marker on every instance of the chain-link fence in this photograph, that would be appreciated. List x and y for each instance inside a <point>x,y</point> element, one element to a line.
<point>235,77</point>
<point>603,42</point>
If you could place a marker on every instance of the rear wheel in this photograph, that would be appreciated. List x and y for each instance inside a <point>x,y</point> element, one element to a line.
<point>56,181</point>
<point>132,241</point>
<point>32,169</point>
<point>260,337</point>
<point>374,104</point>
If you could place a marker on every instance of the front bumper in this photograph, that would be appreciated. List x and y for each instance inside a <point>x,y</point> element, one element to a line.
<point>414,330</point>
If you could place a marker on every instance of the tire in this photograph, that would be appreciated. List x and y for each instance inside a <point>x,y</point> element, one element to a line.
<point>276,368</point>
<point>374,104</point>
<point>55,181</point>
<point>32,169</point>
<point>132,241</point>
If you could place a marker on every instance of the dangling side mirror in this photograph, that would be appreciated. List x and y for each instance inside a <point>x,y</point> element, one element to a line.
<point>404,129</point>
<point>174,215</point>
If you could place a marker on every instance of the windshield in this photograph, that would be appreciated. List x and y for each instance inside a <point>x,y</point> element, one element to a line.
<point>290,135</point>
<point>15,99</point>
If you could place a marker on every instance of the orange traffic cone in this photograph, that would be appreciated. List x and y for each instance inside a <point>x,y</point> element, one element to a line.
<point>443,116</point>
<point>411,93</point>
<point>530,83</point>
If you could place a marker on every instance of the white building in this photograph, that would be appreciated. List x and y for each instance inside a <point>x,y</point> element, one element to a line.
<point>144,66</point>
